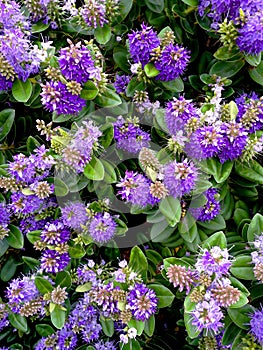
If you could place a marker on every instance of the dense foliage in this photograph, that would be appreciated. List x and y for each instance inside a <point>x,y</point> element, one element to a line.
<point>131,174</point>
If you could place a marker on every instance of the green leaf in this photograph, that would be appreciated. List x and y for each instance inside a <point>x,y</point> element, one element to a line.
<point>218,223</point>
<point>94,170</point>
<point>22,90</point>
<point>89,91</point>
<point>253,60</point>
<point>107,326</point>
<point>170,207</point>
<point>31,262</point>
<point>164,295</point>
<point>43,285</point>
<point>160,231</point>
<point>63,279</point>
<point>257,73</point>
<point>120,56</point>
<point>8,269</point>
<point>149,326</point>
<point>255,228</point>
<point>61,189</point>
<point>131,345</point>
<point>252,171</point>
<point>176,85</point>
<point>187,228</point>
<point>191,330</point>
<point>241,316</point>
<point>220,171</point>
<point>226,69</point>
<point>77,251</point>
<point>108,98</point>
<point>7,117</point>
<point>102,34</point>
<point>84,287</point>
<point>230,333</point>
<point>31,144</point>
<point>138,325</point>
<point>133,85</point>
<point>155,5</point>
<point>150,70</point>
<point>224,54</point>
<point>124,8</point>
<point>3,246</point>
<point>39,27</point>
<point>138,262</point>
<point>58,317</point>
<point>242,268</point>
<point>217,239</point>
<point>44,329</point>
<point>243,300</point>
<point>33,236</point>
<point>191,2</point>
<point>15,237</point>
<point>17,321</point>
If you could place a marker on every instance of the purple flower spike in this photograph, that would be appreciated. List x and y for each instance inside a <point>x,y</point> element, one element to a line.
<point>141,43</point>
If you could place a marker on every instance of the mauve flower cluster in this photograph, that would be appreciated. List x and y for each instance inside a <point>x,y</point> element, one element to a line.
<point>107,297</point>
<point>208,286</point>
<point>256,321</point>
<point>180,177</point>
<point>257,257</point>
<point>24,298</point>
<point>208,133</point>
<point>135,188</point>
<point>18,58</point>
<point>129,136</point>
<point>62,94</point>
<point>211,208</point>
<point>31,200</point>
<point>145,46</point>
<point>81,145</point>
<point>246,16</point>
<point>53,239</point>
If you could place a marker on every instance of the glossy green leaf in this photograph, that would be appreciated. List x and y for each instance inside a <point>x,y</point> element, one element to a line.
<point>149,326</point>
<point>164,295</point>
<point>257,73</point>
<point>7,117</point>
<point>150,70</point>
<point>241,316</point>
<point>138,262</point>
<point>8,269</point>
<point>138,325</point>
<point>102,34</point>
<point>242,267</point>
<point>107,326</point>
<point>176,85</point>
<point>44,329</point>
<point>108,98</point>
<point>15,237</point>
<point>43,285</point>
<point>89,91</point>
<point>252,171</point>
<point>155,5</point>
<point>22,90</point>
<point>17,321</point>
<point>255,228</point>
<point>94,170</point>
<point>58,317</point>
<point>170,207</point>
<point>226,69</point>
<point>217,239</point>
<point>63,279</point>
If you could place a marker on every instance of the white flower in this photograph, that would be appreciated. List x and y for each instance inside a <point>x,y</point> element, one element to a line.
<point>132,332</point>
